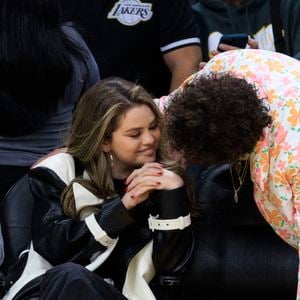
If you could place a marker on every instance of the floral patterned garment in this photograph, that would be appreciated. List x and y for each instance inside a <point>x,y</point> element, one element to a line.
<point>275,161</point>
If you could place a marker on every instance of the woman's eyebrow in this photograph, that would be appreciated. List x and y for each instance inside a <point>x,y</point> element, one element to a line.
<point>139,128</point>
<point>132,129</point>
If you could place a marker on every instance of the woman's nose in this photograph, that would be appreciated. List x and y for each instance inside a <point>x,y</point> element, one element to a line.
<point>148,138</point>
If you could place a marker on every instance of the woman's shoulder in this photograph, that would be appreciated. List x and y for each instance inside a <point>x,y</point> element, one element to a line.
<point>62,164</point>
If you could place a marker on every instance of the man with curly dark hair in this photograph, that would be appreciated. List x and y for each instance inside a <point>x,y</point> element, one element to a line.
<point>245,105</point>
<point>203,124</point>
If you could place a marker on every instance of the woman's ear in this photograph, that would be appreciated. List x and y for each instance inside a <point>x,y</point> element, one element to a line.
<point>105,147</point>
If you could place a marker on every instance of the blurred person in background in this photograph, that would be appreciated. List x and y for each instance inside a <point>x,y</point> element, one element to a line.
<point>44,68</point>
<point>270,24</point>
<point>153,43</point>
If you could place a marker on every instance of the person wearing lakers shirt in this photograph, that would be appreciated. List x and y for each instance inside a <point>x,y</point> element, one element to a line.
<point>151,42</point>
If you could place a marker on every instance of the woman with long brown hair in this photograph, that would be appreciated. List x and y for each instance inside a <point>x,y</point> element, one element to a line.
<point>114,203</point>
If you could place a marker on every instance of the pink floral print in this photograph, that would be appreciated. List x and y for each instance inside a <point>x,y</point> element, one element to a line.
<point>275,161</point>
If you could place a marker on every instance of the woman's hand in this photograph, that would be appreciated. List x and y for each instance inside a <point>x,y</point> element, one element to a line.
<point>141,182</point>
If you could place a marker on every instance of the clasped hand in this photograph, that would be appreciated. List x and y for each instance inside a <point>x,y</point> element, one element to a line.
<point>141,182</point>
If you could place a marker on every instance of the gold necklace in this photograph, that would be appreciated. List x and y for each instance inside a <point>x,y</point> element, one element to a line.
<point>241,172</point>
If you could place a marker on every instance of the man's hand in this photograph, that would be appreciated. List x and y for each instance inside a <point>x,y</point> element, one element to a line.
<point>252,44</point>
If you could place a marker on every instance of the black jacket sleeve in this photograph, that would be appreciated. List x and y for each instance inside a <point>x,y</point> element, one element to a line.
<point>59,238</point>
<point>172,248</point>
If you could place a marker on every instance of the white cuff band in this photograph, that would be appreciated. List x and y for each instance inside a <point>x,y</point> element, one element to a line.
<point>169,224</point>
<point>99,234</point>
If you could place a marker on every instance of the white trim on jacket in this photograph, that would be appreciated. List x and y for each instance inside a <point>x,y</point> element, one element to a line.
<point>140,270</point>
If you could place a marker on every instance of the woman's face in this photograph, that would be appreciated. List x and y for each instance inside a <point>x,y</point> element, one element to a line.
<point>134,142</point>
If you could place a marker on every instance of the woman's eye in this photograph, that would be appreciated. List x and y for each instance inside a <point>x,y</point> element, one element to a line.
<point>153,127</point>
<point>135,135</point>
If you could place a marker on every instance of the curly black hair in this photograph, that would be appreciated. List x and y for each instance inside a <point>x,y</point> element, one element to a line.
<point>215,119</point>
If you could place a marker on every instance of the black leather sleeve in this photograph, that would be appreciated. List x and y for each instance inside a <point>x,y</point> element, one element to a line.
<point>59,238</point>
<point>172,248</point>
